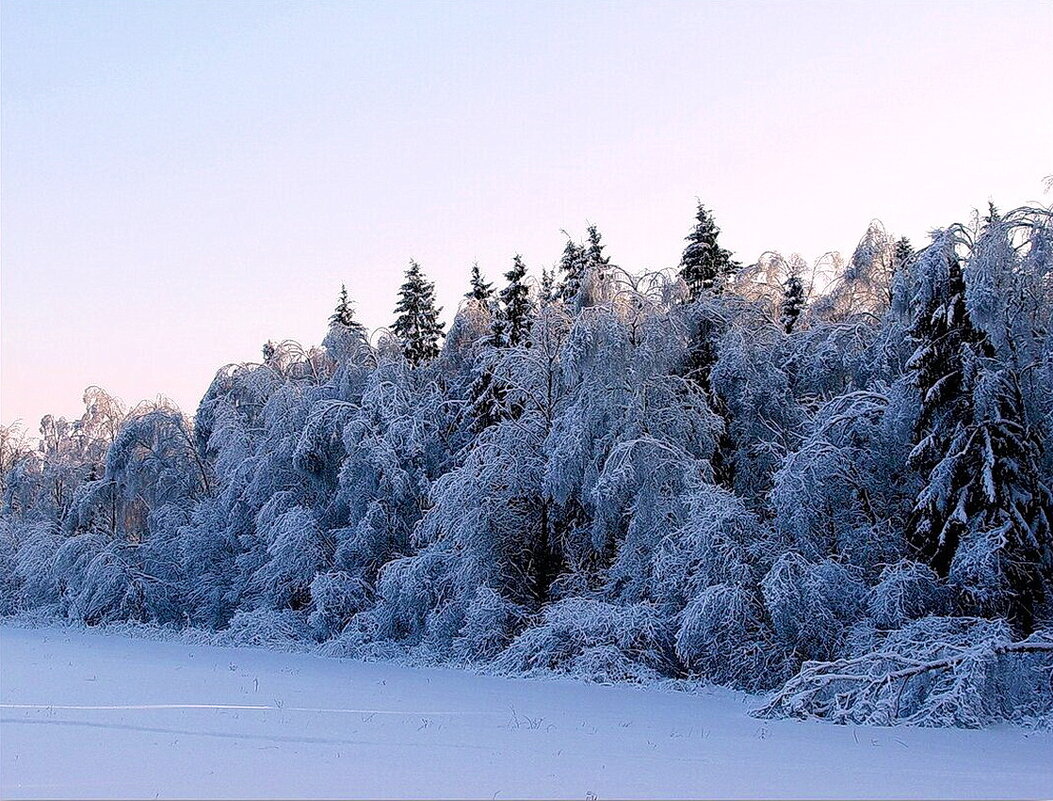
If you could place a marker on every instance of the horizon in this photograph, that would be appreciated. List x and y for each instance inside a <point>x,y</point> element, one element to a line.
<point>186,182</point>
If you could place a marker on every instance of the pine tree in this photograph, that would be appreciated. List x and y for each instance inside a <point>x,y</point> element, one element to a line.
<point>705,265</point>
<point>548,286</point>
<point>488,398</point>
<point>993,214</point>
<point>902,253</point>
<point>344,315</point>
<point>417,325</point>
<point>792,303</point>
<point>510,327</point>
<point>346,336</point>
<point>982,513</point>
<point>944,338</point>
<point>512,323</point>
<point>594,258</point>
<point>572,267</point>
<point>481,290</point>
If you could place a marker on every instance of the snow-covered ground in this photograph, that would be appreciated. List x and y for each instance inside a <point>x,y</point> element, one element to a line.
<point>88,714</point>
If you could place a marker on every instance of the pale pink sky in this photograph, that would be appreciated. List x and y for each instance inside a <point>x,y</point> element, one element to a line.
<point>184,180</point>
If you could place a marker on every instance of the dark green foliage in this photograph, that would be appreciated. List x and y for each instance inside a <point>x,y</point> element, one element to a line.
<point>705,265</point>
<point>512,322</point>
<point>982,503</point>
<point>572,268</point>
<point>344,314</point>
<point>481,290</point>
<point>548,286</point>
<point>903,252</point>
<point>594,257</point>
<point>417,325</point>
<point>792,304</point>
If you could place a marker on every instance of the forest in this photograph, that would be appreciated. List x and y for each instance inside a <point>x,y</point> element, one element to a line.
<point>830,484</point>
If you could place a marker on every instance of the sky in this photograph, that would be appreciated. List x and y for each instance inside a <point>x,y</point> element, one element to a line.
<point>182,181</point>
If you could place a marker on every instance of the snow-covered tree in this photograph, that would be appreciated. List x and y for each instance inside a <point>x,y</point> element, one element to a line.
<point>344,314</point>
<point>983,515</point>
<point>572,267</point>
<point>417,324</point>
<point>512,322</point>
<point>480,290</point>
<point>829,480</point>
<point>705,265</point>
<point>792,303</point>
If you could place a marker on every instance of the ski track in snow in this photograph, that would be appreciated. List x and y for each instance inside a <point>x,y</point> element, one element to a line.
<point>90,714</point>
<point>213,706</point>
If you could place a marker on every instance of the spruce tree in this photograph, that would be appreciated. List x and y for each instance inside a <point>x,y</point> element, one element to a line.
<point>705,265</point>
<point>792,303</point>
<point>548,286</point>
<point>594,258</point>
<point>510,327</point>
<point>993,214</point>
<point>488,396</point>
<point>481,290</point>
<point>344,315</point>
<point>982,514</point>
<point>902,252</point>
<point>512,323</point>
<point>417,324</point>
<point>944,339</point>
<point>572,267</point>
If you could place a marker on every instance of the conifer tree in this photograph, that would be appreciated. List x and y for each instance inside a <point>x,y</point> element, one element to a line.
<point>488,397</point>
<point>944,339</point>
<point>594,258</point>
<point>417,325</point>
<point>512,324</point>
<point>344,314</point>
<point>902,252</point>
<point>993,214</point>
<point>548,286</point>
<point>982,515</point>
<point>346,336</point>
<point>572,266</point>
<point>705,265</point>
<point>792,303</point>
<point>481,290</point>
<point>510,327</point>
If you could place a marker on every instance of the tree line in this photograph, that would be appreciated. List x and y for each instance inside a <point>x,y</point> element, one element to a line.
<point>831,481</point>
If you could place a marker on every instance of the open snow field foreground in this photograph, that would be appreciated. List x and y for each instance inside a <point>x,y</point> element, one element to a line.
<point>90,714</point>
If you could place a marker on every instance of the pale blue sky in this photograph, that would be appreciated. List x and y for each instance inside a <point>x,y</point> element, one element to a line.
<point>182,181</point>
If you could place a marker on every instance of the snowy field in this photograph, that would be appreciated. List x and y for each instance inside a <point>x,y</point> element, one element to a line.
<point>87,714</point>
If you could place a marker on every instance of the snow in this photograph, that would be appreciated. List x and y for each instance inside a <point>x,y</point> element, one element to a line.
<point>87,713</point>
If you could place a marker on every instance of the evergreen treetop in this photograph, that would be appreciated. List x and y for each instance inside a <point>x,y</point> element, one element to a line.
<point>344,314</point>
<point>480,290</point>
<point>548,285</point>
<point>792,303</point>
<point>705,265</point>
<point>514,316</point>
<point>417,324</point>
<point>594,256</point>
<point>982,513</point>
<point>572,265</point>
